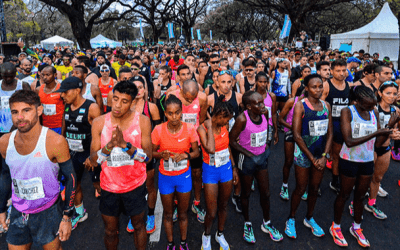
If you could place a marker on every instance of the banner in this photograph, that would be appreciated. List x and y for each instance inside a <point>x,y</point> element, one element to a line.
<point>198,35</point>
<point>191,32</point>
<point>141,28</point>
<point>286,28</point>
<point>210,35</point>
<point>171,30</point>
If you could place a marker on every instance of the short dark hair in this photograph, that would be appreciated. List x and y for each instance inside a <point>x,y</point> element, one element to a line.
<point>379,68</point>
<point>85,60</point>
<point>369,68</point>
<point>308,78</point>
<point>137,58</point>
<point>164,67</point>
<point>26,96</point>
<point>80,67</point>
<point>124,69</point>
<point>214,56</point>
<point>182,67</point>
<point>322,63</point>
<point>172,99</point>
<point>249,63</point>
<point>339,62</point>
<point>126,87</point>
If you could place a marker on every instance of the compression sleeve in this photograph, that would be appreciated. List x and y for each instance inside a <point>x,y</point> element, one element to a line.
<point>67,169</point>
<point>5,187</point>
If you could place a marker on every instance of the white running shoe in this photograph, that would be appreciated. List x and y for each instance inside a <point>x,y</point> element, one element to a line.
<point>222,242</point>
<point>206,242</point>
<point>382,192</point>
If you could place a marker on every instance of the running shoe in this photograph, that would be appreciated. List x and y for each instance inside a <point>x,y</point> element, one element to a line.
<point>334,186</point>
<point>150,224</point>
<point>130,228</point>
<point>184,247</point>
<point>290,229</point>
<point>382,192</point>
<point>338,237</point>
<point>315,228</point>
<point>237,202</point>
<point>201,213</point>
<point>170,247</point>
<point>329,164</point>
<point>78,218</point>
<point>305,196</point>
<point>223,245</point>
<point>284,194</point>
<point>248,234</point>
<point>375,211</point>
<point>175,214</point>
<point>272,231</point>
<point>253,186</point>
<point>357,233</point>
<point>395,154</point>
<point>351,209</point>
<point>206,242</point>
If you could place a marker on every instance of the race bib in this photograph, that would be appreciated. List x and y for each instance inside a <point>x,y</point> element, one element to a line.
<point>31,189</point>
<point>318,128</point>
<point>105,101</point>
<point>383,119</point>
<point>221,157</point>
<point>283,81</point>
<point>4,102</point>
<point>119,158</point>
<point>269,112</point>
<point>75,145</point>
<point>336,109</point>
<point>49,109</point>
<point>171,165</point>
<point>189,118</point>
<point>259,139</point>
<point>362,129</point>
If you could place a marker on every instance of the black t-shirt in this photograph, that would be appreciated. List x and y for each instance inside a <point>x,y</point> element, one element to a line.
<point>145,72</point>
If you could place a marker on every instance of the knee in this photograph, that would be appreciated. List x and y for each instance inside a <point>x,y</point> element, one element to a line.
<point>300,189</point>
<point>377,178</point>
<point>110,235</point>
<point>212,214</point>
<point>138,224</point>
<point>182,216</point>
<point>167,216</point>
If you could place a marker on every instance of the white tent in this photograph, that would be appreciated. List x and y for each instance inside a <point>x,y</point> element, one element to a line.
<point>381,36</point>
<point>54,41</point>
<point>102,41</point>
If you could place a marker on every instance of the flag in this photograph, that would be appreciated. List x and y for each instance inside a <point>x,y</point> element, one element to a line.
<point>286,28</point>
<point>141,28</point>
<point>198,35</point>
<point>210,35</point>
<point>191,32</point>
<point>171,30</point>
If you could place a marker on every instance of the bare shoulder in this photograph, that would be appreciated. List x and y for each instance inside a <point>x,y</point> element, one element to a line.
<point>4,142</point>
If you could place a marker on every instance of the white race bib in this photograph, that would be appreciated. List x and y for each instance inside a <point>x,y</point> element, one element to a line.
<point>269,112</point>
<point>4,102</point>
<point>189,118</point>
<point>318,128</point>
<point>171,165</point>
<point>336,109</point>
<point>31,189</point>
<point>221,157</point>
<point>119,158</point>
<point>259,139</point>
<point>75,145</point>
<point>105,101</point>
<point>383,119</point>
<point>362,129</point>
<point>49,109</point>
<point>283,81</point>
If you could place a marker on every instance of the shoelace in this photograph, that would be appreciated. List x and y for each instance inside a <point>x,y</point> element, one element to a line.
<point>338,232</point>
<point>249,230</point>
<point>359,233</point>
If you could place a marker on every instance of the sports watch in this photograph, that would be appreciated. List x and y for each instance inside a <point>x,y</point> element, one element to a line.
<point>128,146</point>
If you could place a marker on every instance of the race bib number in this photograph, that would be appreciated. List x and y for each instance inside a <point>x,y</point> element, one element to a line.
<point>4,102</point>
<point>75,145</point>
<point>49,109</point>
<point>259,139</point>
<point>362,129</point>
<point>119,158</point>
<point>283,81</point>
<point>189,118</point>
<point>336,109</point>
<point>171,165</point>
<point>31,189</point>
<point>105,101</point>
<point>269,112</point>
<point>318,128</point>
<point>221,157</point>
<point>383,119</point>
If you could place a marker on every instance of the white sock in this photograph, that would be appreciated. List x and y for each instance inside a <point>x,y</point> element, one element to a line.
<point>336,225</point>
<point>356,226</point>
<point>248,223</point>
<point>266,223</point>
<point>284,185</point>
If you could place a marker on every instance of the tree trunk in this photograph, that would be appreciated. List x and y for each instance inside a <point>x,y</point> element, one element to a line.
<point>81,32</point>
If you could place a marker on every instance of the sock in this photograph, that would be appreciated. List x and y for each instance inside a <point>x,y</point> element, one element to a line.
<point>220,233</point>
<point>266,223</point>
<point>336,225</point>
<point>80,209</point>
<point>151,211</point>
<point>170,243</point>
<point>335,179</point>
<point>285,185</point>
<point>247,223</point>
<point>356,226</point>
<point>308,218</point>
<point>236,196</point>
<point>371,202</point>
<point>196,203</point>
<point>207,235</point>
<point>183,242</point>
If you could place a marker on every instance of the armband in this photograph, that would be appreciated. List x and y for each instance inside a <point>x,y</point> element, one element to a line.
<point>101,157</point>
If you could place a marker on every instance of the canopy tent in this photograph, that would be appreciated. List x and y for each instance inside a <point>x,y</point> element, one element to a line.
<point>54,41</point>
<point>381,36</point>
<point>102,41</point>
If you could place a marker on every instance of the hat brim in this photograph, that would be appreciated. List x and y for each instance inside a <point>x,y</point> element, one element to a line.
<point>60,90</point>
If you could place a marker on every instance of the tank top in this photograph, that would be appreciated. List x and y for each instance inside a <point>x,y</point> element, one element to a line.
<point>301,88</point>
<point>247,84</point>
<point>191,113</point>
<point>53,108</point>
<point>78,128</point>
<point>254,137</point>
<point>360,128</point>
<point>235,106</point>
<point>280,84</point>
<point>268,104</point>
<point>193,77</point>
<point>5,111</point>
<point>221,156</point>
<point>34,176</point>
<point>120,173</point>
<point>105,89</point>
<point>289,117</point>
<point>338,99</point>
<point>88,93</point>
<point>211,90</point>
<point>165,88</point>
<point>384,116</point>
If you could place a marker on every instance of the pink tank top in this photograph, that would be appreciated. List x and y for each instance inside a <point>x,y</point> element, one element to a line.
<point>254,137</point>
<point>120,173</point>
<point>191,113</point>
<point>268,104</point>
<point>289,117</point>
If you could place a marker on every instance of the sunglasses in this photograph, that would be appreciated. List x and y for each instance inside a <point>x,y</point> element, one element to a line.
<point>214,62</point>
<point>104,70</point>
<point>134,69</point>
<point>65,59</point>
<point>388,83</point>
<point>222,72</point>
<point>249,70</point>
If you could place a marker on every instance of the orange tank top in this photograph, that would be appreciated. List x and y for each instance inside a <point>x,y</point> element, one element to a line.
<point>105,89</point>
<point>120,173</point>
<point>53,108</point>
<point>191,113</point>
<point>221,155</point>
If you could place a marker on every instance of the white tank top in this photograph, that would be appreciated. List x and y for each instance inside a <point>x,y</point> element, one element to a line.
<point>88,93</point>
<point>5,112</point>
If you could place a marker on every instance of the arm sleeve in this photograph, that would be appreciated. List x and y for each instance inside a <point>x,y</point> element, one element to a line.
<point>68,171</point>
<point>5,186</point>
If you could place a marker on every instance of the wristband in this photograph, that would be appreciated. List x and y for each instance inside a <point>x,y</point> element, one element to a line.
<point>66,220</point>
<point>139,155</point>
<point>109,150</point>
<point>189,157</point>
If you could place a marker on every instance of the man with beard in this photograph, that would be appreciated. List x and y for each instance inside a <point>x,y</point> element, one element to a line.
<point>64,69</point>
<point>26,74</point>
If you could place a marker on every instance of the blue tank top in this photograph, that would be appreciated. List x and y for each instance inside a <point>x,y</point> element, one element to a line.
<point>281,83</point>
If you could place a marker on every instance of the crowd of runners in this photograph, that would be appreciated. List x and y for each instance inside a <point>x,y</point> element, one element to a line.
<point>202,117</point>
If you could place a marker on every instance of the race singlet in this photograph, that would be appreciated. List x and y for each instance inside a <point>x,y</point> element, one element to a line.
<point>259,139</point>
<point>318,128</point>
<point>31,189</point>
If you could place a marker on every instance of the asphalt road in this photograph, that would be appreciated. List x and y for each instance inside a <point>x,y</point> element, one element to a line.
<point>381,234</point>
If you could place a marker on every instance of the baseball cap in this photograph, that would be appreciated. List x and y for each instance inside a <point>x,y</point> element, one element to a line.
<point>258,54</point>
<point>71,82</point>
<point>137,78</point>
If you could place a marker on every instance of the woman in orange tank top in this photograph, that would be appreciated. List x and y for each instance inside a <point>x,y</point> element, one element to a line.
<point>106,84</point>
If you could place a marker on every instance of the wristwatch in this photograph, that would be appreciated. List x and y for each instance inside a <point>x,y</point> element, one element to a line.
<point>128,146</point>
<point>69,213</point>
<point>326,155</point>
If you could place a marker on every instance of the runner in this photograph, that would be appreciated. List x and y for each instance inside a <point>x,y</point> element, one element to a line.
<point>90,78</point>
<point>205,77</point>
<point>218,171</point>
<point>35,156</point>
<point>336,93</point>
<point>382,74</point>
<point>368,77</point>
<point>251,128</point>
<point>360,127</point>
<point>64,69</point>
<point>281,83</point>
<point>106,84</point>
<point>352,65</point>
<point>172,142</point>
<point>248,82</point>
<point>163,83</point>
<point>78,117</point>
<point>298,85</point>
<point>122,136</point>
<point>26,74</point>
<point>211,89</point>
<point>120,63</point>
<point>312,132</point>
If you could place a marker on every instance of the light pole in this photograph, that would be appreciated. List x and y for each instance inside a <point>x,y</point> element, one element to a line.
<point>2,23</point>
